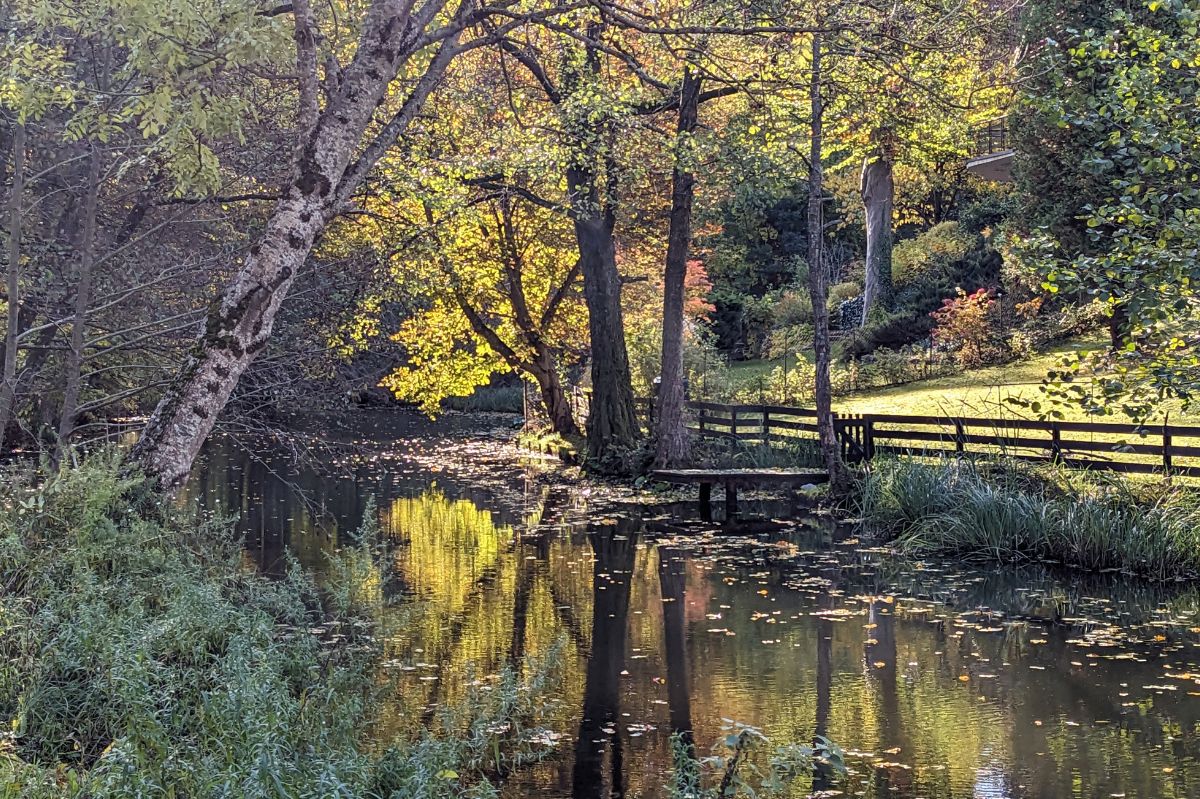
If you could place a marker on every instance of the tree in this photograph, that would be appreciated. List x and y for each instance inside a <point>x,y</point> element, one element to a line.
<point>818,275</point>
<point>1130,87</point>
<point>671,444</point>
<point>112,110</point>
<point>913,80</point>
<point>336,144</point>
<point>500,285</point>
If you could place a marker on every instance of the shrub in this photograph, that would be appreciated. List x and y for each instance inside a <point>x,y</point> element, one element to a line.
<point>931,251</point>
<point>888,330</point>
<point>840,292</point>
<point>787,341</point>
<point>967,325</point>
<point>1010,512</point>
<point>141,657</point>
<point>490,399</point>
<point>791,309</point>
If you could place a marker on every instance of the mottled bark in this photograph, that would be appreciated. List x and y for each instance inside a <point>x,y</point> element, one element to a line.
<point>877,189</point>
<point>818,282</point>
<point>671,447</point>
<point>322,178</point>
<point>13,272</point>
<point>73,376</point>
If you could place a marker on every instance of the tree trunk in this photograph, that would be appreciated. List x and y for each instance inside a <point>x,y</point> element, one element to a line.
<point>878,189</point>
<point>16,191</point>
<point>612,421</point>
<point>73,379</point>
<point>322,179</point>
<point>672,445</point>
<point>818,282</point>
<point>544,370</point>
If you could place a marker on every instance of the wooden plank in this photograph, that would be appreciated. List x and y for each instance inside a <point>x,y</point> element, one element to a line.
<point>783,424</point>
<point>741,477</point>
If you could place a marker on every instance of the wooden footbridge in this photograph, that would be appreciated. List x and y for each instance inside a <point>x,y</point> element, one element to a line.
<point>733,479</point>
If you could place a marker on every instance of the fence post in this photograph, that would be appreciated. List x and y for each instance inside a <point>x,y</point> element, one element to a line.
<point>960,436</point>
<point>766,426</point>
<point>733,422</point>
<point>1166,447</point>
<point>868,437</point>
<point>1055,442</point>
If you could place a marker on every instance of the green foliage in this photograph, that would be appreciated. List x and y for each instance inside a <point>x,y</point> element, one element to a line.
<point>745,763</point>
<point>489,399</point>
<point>1128,91</point>
<point>840,292</point>
<point>177,63</point>
<point>141,657</point>
<point>931,252</point>
<point>931,268</point>
<point>1012,513</point>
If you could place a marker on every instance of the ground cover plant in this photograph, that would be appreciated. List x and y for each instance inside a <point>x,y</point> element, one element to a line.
<point>141,656</point>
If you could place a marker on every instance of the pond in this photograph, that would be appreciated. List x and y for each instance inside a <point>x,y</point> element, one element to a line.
<point>939,680</point>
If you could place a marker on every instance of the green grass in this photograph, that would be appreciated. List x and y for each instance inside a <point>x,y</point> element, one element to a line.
<point>1016,513</point>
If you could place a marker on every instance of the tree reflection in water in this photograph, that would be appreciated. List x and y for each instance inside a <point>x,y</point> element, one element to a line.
<point>614,549</point>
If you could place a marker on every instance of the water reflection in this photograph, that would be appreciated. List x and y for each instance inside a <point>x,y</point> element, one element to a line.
<point>939,682</point>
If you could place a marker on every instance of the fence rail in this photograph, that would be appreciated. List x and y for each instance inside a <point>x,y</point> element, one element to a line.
<point>1131,448</point>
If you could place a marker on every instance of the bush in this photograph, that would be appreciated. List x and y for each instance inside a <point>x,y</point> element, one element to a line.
<point>490,399</point>
<point>793,308</point>
<point>887,330</point>
<point>841,292</point>
<point>968,326</point>
<point>932,251</point>
<point>1011,512</point>
<point>141,657</point>
<point>787,341</point>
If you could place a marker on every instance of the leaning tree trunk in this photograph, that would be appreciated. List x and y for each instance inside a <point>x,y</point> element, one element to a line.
<point>16,191</point>
<point>544,369</point>
<point>877,189</point>
<point>672,444</point>
<point>322,179</point>
<point>818,282</point>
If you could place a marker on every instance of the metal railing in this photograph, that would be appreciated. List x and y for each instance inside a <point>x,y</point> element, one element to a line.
<point>991,138</point>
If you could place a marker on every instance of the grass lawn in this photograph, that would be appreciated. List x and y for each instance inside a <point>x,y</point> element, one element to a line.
<point>982,392</point>
<point>979,392</point>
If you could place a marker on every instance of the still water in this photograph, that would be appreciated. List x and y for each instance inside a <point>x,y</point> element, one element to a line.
<point>939,680</point>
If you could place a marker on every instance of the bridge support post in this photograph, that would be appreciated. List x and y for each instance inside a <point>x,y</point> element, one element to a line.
<point>706,502</point>
<point>731,510</point>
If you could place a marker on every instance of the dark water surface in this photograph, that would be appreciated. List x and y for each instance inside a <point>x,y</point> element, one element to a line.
<point>938,680</point>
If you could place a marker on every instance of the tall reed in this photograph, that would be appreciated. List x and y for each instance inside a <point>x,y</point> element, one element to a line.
<point>1009,512</point>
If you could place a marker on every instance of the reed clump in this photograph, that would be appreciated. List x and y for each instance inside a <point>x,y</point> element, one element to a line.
<point>1011,512</point>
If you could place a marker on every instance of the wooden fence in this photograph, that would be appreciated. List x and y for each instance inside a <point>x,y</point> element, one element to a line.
<point>1173,449</point>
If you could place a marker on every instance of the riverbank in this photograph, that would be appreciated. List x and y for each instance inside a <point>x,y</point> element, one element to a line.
<point>141,657</point>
